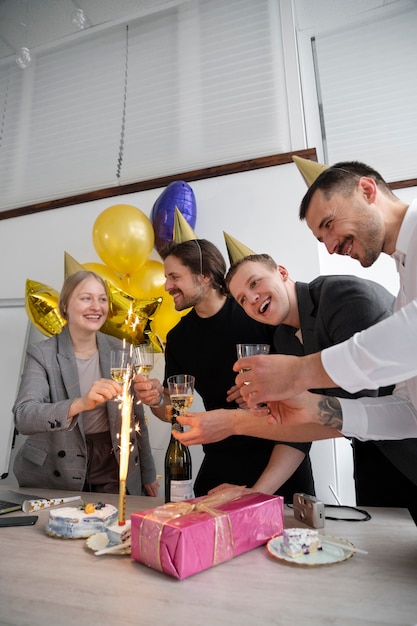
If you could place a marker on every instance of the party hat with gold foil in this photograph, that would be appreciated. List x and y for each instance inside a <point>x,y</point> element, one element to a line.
<point>71,266</point>
<point>182,230</point>
<point>310,170</point>
<point>235,249</point>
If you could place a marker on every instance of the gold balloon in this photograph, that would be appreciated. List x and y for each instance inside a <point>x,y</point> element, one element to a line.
<point>147,282</point>
<point>130,318</point>
<point>166,318</point>
<point>41,302</point>
<point>104,272</point>
<point>123,238</point>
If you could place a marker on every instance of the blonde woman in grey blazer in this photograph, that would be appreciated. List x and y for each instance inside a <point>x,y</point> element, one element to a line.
<point>65,404</point>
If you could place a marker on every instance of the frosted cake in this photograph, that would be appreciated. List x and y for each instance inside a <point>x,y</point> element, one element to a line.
<point>73,523</point>
<point>300,541</point>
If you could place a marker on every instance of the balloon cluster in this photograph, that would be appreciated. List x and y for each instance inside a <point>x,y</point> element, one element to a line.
<point>123,237</point>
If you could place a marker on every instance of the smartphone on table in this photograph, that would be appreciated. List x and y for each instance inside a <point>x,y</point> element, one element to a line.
<point>23,520</point>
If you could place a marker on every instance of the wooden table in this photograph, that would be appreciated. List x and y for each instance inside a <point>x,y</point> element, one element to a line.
<point>49,581</point>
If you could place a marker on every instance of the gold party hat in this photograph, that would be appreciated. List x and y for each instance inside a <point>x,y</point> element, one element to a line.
<point>235,249</point>
<point>182,230</point>
<point>310,170</point>
<point>71,266</point>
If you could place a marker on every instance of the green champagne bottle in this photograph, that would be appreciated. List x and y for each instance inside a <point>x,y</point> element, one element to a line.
<point>178,471</point>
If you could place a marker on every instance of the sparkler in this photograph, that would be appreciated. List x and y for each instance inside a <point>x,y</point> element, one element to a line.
<point>126,413</point>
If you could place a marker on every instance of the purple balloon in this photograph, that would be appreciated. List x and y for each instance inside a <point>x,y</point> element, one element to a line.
<point>177,194</point>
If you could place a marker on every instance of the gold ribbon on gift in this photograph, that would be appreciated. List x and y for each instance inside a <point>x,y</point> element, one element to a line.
<point>150,533</point>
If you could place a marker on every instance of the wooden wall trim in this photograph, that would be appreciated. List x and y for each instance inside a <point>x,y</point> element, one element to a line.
<point>163,181</point>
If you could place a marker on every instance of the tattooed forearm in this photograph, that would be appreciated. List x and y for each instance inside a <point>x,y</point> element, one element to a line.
<point>330,412</point>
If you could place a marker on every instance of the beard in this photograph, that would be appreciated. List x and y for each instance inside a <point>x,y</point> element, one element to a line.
<point>370,236</point>
<point>373,244</point>
<point>186,301</point>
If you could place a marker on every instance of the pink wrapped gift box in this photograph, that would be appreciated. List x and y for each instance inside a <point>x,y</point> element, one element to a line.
<point>184,538</point>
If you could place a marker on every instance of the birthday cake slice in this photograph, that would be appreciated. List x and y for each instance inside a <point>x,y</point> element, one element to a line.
<point>73,523</point>
<point>119,533</point>
<point>300,541</point>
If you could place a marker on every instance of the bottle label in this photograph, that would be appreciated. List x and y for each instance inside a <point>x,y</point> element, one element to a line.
<point>181,490</point>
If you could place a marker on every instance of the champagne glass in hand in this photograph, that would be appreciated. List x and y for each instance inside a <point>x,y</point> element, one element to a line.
<point>249,349</point>
<point>121,367</point>
<point>181,391</point>
<point>143,360</point>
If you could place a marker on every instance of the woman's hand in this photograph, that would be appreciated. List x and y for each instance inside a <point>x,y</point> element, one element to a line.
<point>101,391</point>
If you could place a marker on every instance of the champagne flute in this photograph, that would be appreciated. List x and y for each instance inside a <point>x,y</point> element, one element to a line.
<point>249,349</point>
<point>181,391</point>
<point>143,360</point>
<point>121,367</point>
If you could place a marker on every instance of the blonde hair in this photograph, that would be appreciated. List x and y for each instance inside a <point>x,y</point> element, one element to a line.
<point>71,283</point>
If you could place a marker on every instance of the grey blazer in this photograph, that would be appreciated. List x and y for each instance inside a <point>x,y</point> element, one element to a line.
<point>54,456</point>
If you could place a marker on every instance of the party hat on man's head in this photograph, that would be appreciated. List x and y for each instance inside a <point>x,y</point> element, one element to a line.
<point>182,230</point>
<point>235,249</point>
<point>310,170</point>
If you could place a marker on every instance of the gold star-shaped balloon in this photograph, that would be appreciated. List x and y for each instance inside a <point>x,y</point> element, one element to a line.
<point>130,318</point>
<point>41,303</point>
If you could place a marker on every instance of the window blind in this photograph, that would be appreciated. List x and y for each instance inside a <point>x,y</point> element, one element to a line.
<point>194,85</point>
<point>205,86</point>
<point>366,76</point>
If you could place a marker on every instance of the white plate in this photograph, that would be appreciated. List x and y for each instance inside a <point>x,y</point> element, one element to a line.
<point>100,541</point>
<point>328,555</point>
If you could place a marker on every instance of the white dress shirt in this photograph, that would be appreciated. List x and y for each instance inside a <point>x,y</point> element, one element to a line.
<point>384,354</point>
